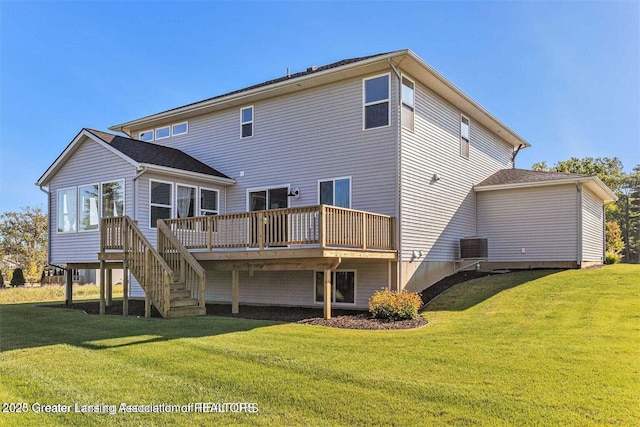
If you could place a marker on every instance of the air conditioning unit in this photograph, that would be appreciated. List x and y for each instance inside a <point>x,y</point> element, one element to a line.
<point>474,248</point>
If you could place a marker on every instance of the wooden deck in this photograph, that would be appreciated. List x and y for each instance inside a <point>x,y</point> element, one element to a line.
<point>305,238</point>
<point>307,232</point>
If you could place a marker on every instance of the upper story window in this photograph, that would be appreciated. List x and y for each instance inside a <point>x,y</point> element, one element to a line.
<point>163,132</point>
<point>464,136</point>
<point>246,122</point>
<point>336,192</point>
<point>408,103</point>
<point>179,128</point>
<point>376,101</point>
<point>208,202</point>
<point>67,208</point>
<point>146,135</point>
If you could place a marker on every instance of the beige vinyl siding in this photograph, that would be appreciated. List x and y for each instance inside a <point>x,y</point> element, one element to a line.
<point>298,139</point>
<point>592,227</point>
<point>435,215</point>
<point>293,287</point>
<point>542,220</point>
<point>90,164</point>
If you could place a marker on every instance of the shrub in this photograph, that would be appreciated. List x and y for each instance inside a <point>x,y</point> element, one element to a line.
<point>392,305</point>
<point>18,277</point>
<point>612,258</point>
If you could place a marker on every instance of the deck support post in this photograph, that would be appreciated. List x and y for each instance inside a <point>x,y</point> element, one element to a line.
<point>327,294</point>
<point>109,287</point>
<point>235,303</point>
<point>125,288</point>
<point>147,305</point>
<point>102,287</point>
<point>68,292</point>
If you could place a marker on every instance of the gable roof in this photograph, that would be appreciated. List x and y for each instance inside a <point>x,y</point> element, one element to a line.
<point>141,155</point>
<point>154,154</point>
<point>317,76</point>
<point>521,178</point>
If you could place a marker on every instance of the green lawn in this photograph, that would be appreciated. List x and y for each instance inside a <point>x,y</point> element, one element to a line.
<point>529,348</point>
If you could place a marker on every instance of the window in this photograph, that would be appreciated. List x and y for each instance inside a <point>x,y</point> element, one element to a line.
<point>180,128</point>
<point>146,135</point>
<point>343,285</point>
<point>112,199</point>
<point>464,137</point>
<point>408,103</point>
<point>376,102</point>
<point>208,202</point>
<point>161,197</point>
<point>246,122</point>
<point>67,210</point>
<point>185,201</point>
<point>163,132</point>
<point>89,218</point>
<point>336,192</point>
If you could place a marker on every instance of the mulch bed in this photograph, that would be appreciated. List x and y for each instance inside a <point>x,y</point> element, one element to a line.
<point>348,319</point>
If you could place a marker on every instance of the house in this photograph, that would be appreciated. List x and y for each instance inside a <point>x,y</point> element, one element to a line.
<point>313,189</point>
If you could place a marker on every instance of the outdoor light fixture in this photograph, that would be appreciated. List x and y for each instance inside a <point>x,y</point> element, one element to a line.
<point>294,192</point>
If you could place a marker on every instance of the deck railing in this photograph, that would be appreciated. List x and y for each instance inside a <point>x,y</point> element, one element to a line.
<point>322,225</point>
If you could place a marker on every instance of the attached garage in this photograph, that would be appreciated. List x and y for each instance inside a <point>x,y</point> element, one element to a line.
<point>542,219</point>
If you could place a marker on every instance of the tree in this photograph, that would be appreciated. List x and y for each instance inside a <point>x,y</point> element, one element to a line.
<point>615,243</point>
<point>609,170</point>
<point>23,237</point>
<point>630,212</point>
<point>18,278</point>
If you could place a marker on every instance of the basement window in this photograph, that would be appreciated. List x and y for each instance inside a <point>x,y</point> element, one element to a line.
<point>343,285</point>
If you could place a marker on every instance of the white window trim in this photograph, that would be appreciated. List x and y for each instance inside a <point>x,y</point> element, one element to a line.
<point>402,103</point>
<point>252,121</point>
<point>365,104</point>
<point>58,210</point>
<point>79,208</point>
<point>334,188</point>
<point>155,134</point>
<point>172,199</point>
<point>178,124</point>
<point>200,209</point>
<point>124,198</point>
<point>468,141</point>
<point>333,288</point>
<point>271,187</point>
<point>196,208</point>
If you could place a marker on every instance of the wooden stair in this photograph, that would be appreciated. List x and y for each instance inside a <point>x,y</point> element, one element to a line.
<point>172,279</point>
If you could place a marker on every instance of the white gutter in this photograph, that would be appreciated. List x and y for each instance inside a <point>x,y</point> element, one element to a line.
<point>605,191</point>
<point>579,202</point>
<point>398,233</point>
<point>182,173</point>
<point>141,171</point>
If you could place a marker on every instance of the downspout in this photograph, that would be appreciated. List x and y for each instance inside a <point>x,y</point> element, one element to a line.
<point>135,192</point>
<point>49,226</point>
<point>515,153</point>
<point>398,180</point>
<point>604,233</point>
<point>579,236</point>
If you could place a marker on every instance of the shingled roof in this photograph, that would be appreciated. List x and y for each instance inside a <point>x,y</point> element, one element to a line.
<point>154,154</point>
<point>522,176</point>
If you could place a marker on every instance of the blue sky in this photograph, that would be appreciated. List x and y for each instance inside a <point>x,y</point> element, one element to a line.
<point>563,75</point>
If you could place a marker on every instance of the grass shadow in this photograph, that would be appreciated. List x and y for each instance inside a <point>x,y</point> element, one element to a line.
<point>470,293</point>
<point>30,325</point>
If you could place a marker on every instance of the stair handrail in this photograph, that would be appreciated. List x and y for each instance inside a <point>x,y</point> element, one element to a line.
<point>164,231</point>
